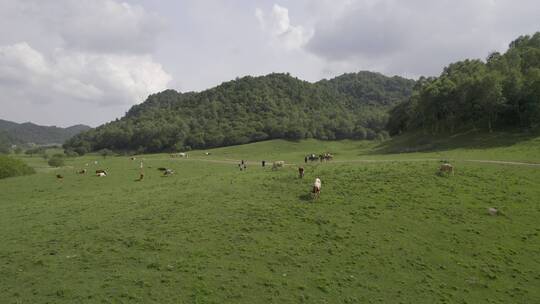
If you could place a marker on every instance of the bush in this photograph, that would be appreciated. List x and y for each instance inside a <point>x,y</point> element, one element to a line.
<point>10,167</point>
<point>56,161</point>
<point>105,152</point>
<point>71,153</point>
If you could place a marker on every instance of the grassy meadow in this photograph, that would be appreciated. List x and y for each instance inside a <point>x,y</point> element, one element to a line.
<point>386,229</point>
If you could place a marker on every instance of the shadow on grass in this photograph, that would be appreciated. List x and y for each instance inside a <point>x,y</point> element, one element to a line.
<point>306,198</point>
<point>422,142</point>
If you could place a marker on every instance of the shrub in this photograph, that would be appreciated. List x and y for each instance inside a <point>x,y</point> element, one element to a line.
<point>105,152</point>
<point>56,161</point>
<point>10,167</point>
<point>71,153</point>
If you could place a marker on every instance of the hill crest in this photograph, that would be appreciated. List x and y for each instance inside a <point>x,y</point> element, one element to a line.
<point>250,109</point>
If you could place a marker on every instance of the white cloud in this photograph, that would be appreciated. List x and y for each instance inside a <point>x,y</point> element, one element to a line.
<point>106,79</point>
<point>88,25</point>
<point>70,54</point>
<point>100,56</point>
<point>418,37</point>
<point>278,25</point>
<point>107,26</point>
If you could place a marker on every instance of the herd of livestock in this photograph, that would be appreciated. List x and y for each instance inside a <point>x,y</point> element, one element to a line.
<point>445,168</point>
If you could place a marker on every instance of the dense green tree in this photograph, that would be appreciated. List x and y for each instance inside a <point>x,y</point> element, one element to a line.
<point>500,92</point>
<point>252,109</point>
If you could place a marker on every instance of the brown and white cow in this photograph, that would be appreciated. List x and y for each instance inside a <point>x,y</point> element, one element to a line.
<point>446,168</point>
<point>278,164</point>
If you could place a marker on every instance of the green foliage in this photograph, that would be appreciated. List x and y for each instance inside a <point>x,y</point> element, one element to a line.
<point>71,153</point>
<point>44,154</point>
<point>10,167</point>
<point>5,143</point>
<point>56,160</point>
<point>105,152</point>
<point>252,109</point>
<point>502,92</point>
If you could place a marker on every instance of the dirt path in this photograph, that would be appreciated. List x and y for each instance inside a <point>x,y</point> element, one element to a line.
<point>251,162</point>
<point>502,162</point>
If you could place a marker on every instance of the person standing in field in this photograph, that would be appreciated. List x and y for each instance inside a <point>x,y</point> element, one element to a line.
<point>141,172</point>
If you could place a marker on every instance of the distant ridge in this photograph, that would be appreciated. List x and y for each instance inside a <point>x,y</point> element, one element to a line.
<point>15,133</point>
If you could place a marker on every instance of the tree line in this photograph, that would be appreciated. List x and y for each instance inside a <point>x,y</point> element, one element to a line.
<point>501,92</point>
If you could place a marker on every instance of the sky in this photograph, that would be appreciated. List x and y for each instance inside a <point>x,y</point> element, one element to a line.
<point>67,62</point>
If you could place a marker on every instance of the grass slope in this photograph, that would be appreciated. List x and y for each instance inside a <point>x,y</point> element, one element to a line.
<point>382,232</point>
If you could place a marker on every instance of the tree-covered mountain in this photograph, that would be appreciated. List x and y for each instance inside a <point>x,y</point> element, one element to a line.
<point>253,109</point>
<point>502,91</point>
<point>28,132</point>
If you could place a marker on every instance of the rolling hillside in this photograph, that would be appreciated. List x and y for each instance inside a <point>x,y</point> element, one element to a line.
<point>28,132</point>
<point>252,109</point>
<point>386,229</point>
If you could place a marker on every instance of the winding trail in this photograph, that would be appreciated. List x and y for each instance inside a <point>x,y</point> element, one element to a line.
<point>481,161</point>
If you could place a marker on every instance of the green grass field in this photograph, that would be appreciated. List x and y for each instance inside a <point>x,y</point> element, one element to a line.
<point>386,229</point>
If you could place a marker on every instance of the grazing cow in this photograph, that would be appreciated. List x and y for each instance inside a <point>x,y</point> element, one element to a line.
<point>316,191</point>
<point>446,168</point>
<point>207,153</point>
<point>168,172</point>
<point>101,174</point>
<point>278,164</point>
<point>301,172</point>
<point>141,176</point>
<point>325,156</point>
<point>101,171</point>
<point>59,176</point>
<point>181,154</point>
<point>311,157</point>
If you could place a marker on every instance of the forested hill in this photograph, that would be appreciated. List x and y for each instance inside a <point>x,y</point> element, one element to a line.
<point>253,109</point>
<point>501,92</point>
<point>15,133</point>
